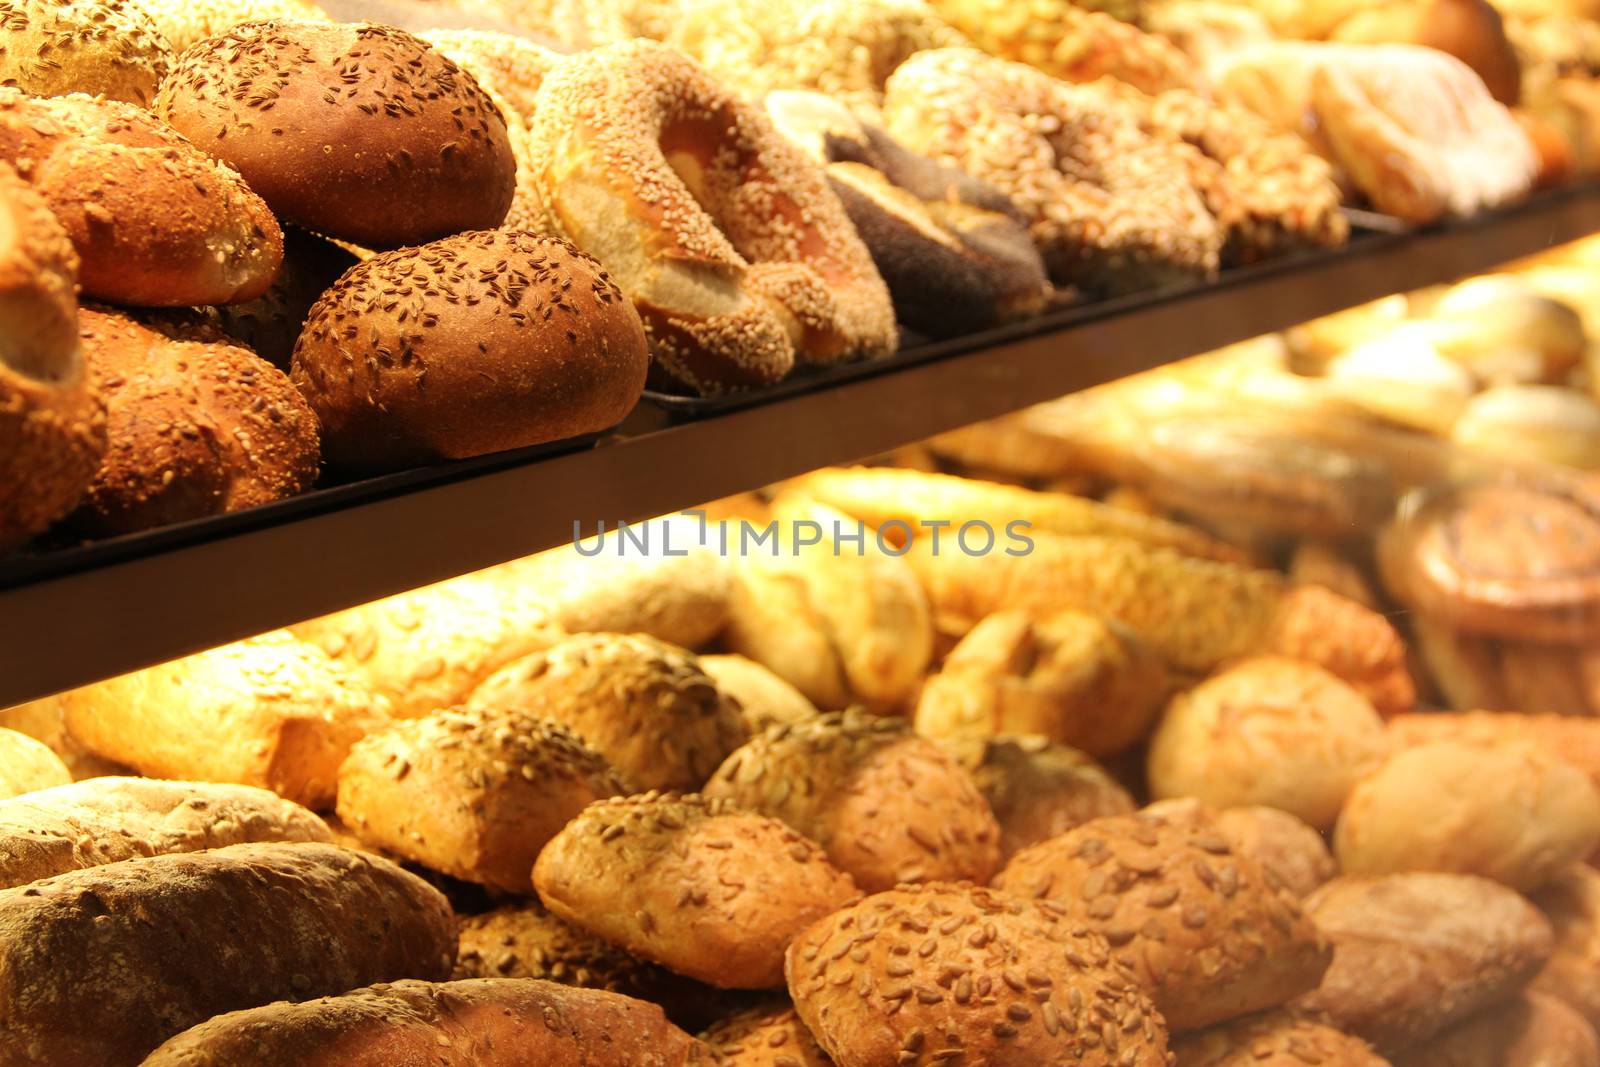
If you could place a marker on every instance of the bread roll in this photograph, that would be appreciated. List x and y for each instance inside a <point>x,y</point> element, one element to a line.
<point>1074,677</point>
<point>1403,378</point>
<point>156,222</point>
<point>1267,731</point>
<point>1533,1030</point>
<point>1274,1039</point>
<point>1416,953</point>
<point>197,425</point>
<point>1534,424</point>
<point>270,324</point>
<point>1571,901</point>
<point>1333,567</point>
<point>474,793</point>
<point>430,648</point>
<point>1504,330</point>
<point>772,622</point>
<point>765,1037</point>
<point>1294,856</point>
<point>954,973</point>
<point>185,23</point>
<point>475,1023</point>
<point>43,720</point>
<point>160,944</point>
<point>423,153</point>
<point>1509,811</point>
<point>475,361</point>
<point>696,884</point>
<point>1037,788</point>
<point>765,699</point>
<point>887,805</point>
<point>643,704</point>
<point>107,820</point>
<point>27,765</point>
<point>109,48</point>
<point>1194,918</point>
<point>1470,30</point>
<point>271,711</point>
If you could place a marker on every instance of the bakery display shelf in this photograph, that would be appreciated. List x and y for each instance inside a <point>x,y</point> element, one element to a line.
<point>74,615</point>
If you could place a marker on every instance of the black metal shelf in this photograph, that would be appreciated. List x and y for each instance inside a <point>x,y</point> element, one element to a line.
<point>76,615</point>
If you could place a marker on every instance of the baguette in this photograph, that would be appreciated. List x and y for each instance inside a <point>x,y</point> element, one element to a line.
<point>98,967</point>
<point>480,1022</point>
<point>106,820</point>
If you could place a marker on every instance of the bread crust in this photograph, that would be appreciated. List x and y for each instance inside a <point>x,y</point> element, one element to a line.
<point>1571,738</point>
<point>1273,1039</point>
<point>27,765</point>
<point>1532,1030</point>
<point>770,1036</point>
<point>696,884</point>
<point>110,48</point>
<point>160,944</point>
<point>765,698</point>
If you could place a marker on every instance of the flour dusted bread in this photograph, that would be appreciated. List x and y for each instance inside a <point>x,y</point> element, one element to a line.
<point>162,943</point>
<point>107,820</point>
<point>474,793</point>
<point>271,711</point>
<point>490,1022</point>
<point>110,48</point>
<point>27,765</point>
<point>696,884</point>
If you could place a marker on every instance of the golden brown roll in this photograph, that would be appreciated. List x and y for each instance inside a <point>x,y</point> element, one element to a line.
<point>1504,329</point>
<point>1274,1039</point>
<point>764,698</point>
<point>155,221</point>
<point>1416,953</point>
<point>1532,1030</point>
<point>421,152</point>
<point>430,648</point>
<point>1571,901</point>
<point>771,1036</point>
<point>1269,731</point>
<point>472,792</point>
<point>773,622</point>
<point>1533,424</point>
<point>1004,982</point>
<point>515,340</point>
<point>1037,788</point>
<point>1194,918</point>
<point>272,711</point>
<point>1470,30</point>
<point>52,418</point>
<point>1573,739</point>
<point>511,66</point>
<point>1404,379</point>
<point>196,425</point>
<point>1073,677</point>
<point>696,884</point>
<point>43,720</point>
<point>110,48</point>
<point>887,805</point>
<point>643,704</point>
<point>27,765</point>
<point>1294,855</point>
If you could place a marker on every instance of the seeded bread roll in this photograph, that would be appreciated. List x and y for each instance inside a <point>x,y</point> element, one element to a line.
<point>1294,856</point>
<point>155,221</point>
<point>1511,812</point>
<point>769,1036</point>
<point>1274,1039</point>
<point>271,711</point>
<point>643,704</point>
<point>1572,904</point>
<point>695,884</point>
<point>107,820</point>
<point>52,418</point>
<point>270,324</point>
<point>887,805</point>
<point>162,943</point>
<point>1037,788</point>
<point>1416,953</point>
<point>475,1023</point>
<point>513,340</point>
<point>1195,918</point>
<point>421,152</point>
<point>27,765</point>
<point>923,976</point>
<point>1072,676</point>
<point>1532,1030</point>
<point>474,793</point>
<point>109,48</point>
<point>766,699</point>
<point>510,65</point>
<point>428,649</point>
<point>185,23</point>
<point>197,425</point>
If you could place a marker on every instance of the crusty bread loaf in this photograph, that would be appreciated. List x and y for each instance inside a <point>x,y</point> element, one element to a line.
<point>1532,1030</point>
<point>765,699</point>
<point>473,792</point>
<point>765,1036</point>
<point>109,48</point>
<point>642,703</point>
<point>1175,900</point>
<point>156,222</point>
<point>159,944</point>
<point>27,765</point>
<point>1572,904</point>
<point>927,975</point>
<point>107,820</point>
<point>361,132</point>
<point>486,1022</point>
<point>1416,953</point>
<point>1274,1039</point>
<point>887,805</point>
<point>696,884</point>
<point>271,711</point>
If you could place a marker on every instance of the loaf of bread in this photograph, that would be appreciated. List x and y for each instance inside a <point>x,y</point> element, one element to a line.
<point>887,805</point>
<point>766,1036</point>
<point>1274,1039</point>
<point>27,765</point>
<point>1571,901</point>
<point>107,820</point>
<point>1416,953</point>
<point>1532,1030</point>
<point>160,944</point>
<point>765,699</point>
<point>271,711</point>
<point>110,48</point>
<point>698,885</point>
<point>270,324</point>
<point>486,1022</point>
<point>1294,856</point>
<point>1470,30</point>
<point>473,792</point>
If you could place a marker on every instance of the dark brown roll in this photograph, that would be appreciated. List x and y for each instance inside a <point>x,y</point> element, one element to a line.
<point>270,324</point>
<point>198,425</point>
<point>474,344</point>
<point>362,132</point>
